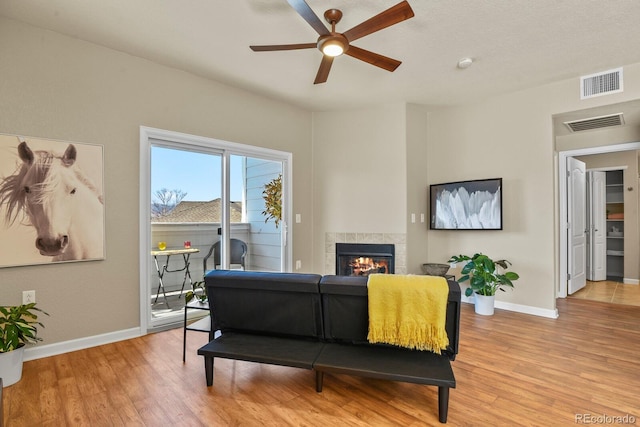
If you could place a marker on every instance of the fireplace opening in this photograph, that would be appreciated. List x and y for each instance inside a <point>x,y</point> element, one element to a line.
<point>362,259</point>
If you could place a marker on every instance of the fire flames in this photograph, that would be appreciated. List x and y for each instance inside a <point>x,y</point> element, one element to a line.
<point>363,266</point>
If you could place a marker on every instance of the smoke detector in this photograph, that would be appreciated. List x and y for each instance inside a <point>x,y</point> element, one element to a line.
<point>465,63</point>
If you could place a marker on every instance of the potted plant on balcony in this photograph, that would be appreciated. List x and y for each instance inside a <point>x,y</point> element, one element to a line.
<point>484,279</point>
<point>198,291</point>
<point>18,326</point>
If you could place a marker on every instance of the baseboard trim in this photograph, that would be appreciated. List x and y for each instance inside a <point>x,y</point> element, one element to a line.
<point>518,308</point>
<point>631,281</point>
<point>41,351</point>
<point>527,309</point>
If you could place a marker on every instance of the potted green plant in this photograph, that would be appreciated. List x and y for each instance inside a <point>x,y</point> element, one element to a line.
<point>484,279</point>
<point>18,326</point>
<point>198,291</point>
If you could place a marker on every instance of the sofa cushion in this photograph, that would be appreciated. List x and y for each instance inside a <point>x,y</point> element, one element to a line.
<point>296,352</point>
<point>397,364</point>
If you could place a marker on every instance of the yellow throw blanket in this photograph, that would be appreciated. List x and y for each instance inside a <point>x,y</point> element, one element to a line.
<point>408,311</point>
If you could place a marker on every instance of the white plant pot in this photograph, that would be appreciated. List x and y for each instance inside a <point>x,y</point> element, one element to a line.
<point>11,366</point>
<point>484,304</point>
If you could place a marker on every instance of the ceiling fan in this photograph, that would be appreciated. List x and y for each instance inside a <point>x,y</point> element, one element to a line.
<point>332,43</point>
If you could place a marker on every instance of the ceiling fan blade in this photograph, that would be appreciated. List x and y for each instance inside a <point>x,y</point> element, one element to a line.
<point>372,58</point>
<point>310,16</point>
<point>391,16</point>
<point>268,48</point>
<point>323,71</point>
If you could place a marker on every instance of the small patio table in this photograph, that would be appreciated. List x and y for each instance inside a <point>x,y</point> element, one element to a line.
<point>186,253</point>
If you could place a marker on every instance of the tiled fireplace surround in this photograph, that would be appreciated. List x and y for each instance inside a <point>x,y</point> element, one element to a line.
<point>399,240</point>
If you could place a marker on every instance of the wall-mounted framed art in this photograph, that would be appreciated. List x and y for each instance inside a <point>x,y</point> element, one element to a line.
<point>466,205</point>
<point>51,201</point>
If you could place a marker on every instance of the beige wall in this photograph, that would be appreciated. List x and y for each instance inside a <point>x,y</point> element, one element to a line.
<point>370,175</point>
<point>511,136</point>
<point>360,179</point>
<point>417,187</point>
<point>598,138</point>
<point>628,159</point>
<point>61,88</point>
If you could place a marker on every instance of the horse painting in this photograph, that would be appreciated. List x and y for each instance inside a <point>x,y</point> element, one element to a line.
<point>49,192</point>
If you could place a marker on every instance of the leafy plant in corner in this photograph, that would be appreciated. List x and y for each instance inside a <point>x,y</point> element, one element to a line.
<point>18,326</point>
<point>483,275</point>
<point>272,196</point>
<point>198,291</point>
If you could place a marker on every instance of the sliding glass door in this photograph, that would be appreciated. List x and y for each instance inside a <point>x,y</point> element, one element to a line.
<point>186,214</point>
<point>211,205</point>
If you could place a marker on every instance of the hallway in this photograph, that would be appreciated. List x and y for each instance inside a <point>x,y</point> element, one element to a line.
<point>610,291</point>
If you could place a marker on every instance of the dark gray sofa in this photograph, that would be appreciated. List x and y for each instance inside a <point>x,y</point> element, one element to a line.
<point>314,322</point>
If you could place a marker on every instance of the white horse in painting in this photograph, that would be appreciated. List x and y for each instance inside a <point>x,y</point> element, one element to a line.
<point>61,203</point>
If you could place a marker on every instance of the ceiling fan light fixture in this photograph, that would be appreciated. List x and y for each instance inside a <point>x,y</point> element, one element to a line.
<point>333,49</point>
<point>333,45</point>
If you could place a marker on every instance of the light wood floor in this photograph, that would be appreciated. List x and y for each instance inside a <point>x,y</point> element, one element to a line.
<point>610,291</point>
<point>513,369</point>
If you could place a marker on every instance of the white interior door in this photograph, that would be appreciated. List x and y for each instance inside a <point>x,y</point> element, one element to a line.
<point>597,239</point>
<point>577,224</point>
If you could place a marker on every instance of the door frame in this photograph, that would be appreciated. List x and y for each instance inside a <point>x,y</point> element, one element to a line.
<point>561,291</point>
<point>147,136</point>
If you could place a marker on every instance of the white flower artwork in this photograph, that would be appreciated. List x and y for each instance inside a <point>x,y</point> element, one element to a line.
<point>467,205</point>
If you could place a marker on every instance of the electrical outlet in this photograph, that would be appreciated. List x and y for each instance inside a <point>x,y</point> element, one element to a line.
<point>298,264</point>
<point>28,297</point>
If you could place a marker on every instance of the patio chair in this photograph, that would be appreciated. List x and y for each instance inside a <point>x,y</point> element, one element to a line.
<point>238,254</point>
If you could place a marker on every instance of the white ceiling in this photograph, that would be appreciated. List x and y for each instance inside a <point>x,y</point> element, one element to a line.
<point>515,44</point>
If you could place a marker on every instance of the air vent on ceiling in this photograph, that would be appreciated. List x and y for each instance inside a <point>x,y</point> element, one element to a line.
<point>596,122</point>
<point>604,83</point>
